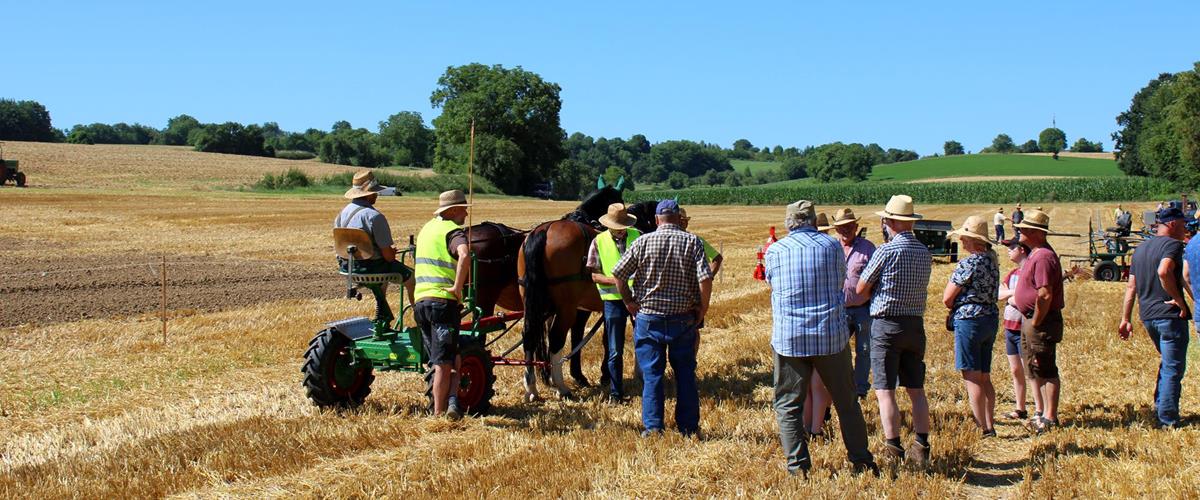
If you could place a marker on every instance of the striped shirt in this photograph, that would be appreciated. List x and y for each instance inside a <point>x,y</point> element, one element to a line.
<point>806,271</point>
<point>667,267</point>
<point>899,270</point>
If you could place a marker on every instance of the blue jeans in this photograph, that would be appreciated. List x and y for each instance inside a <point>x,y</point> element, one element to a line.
<point>1170,337</point>
<point>657,340</point>
<point>615,319</point>
<point>999,232</point>
<point>862,347</point>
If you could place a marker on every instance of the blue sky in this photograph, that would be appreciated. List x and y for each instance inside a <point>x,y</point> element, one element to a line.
<point>790,73</point>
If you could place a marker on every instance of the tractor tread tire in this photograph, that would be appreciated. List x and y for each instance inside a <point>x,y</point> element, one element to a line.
<point>322,350</point>
<point>469,349</point>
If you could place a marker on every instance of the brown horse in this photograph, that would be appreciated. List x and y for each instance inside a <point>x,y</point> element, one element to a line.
<point>496,248</point>
<point>558,287</point>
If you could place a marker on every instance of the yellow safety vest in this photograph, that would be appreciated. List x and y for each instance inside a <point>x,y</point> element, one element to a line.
<point>606,250</point>
<point>434,266</point>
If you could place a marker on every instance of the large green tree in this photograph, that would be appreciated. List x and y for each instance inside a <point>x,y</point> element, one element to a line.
<point>1052,140</point>
<point>178,129</point>
<point>407,139</point>
<point>952,148</point>
<point>1003,144</point>
<point>839,161</point>
<point>518,139</point>
<point>25,121</point>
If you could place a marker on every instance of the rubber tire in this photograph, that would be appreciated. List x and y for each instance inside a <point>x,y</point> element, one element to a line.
<point>1106,271</point>
<point>20,179</point>
<point>474,399</point>
<point>319,361</point>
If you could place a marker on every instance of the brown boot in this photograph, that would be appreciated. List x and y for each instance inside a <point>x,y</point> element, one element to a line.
<point>918,454</point>
<point>892,452</point>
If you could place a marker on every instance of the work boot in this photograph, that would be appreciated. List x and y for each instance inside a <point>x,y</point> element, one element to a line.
<point>863,467</point>
<point>893,452</point>
<point>918,454</point>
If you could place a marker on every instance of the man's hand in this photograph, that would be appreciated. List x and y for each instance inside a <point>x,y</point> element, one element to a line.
<point>456,291</point>
<point>632,307</point>
<point>1183,312</point>
<point>1125,329</point>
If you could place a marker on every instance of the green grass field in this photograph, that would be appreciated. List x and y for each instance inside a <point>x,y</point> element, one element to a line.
<point>754,166</point>
<point>994,165</point>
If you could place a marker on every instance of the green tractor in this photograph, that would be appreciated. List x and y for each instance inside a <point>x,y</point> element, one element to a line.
<point>341,360</point>
<point>9,170</point>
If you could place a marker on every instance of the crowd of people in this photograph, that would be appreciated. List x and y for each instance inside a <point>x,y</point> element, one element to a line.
<point>825,290</point>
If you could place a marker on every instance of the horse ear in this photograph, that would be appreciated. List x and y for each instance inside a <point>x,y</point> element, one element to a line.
<point>600,182</point>
<point>676,199</point>
<point>620,182</point>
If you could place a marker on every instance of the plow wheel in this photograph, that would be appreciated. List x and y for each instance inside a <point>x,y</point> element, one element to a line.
<point>330,376</point>
<point>20,179</point>
<point>475,389</point>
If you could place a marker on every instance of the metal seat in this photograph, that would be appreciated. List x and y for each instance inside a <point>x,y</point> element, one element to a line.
<point>374,279</point>
<point>354,245</point>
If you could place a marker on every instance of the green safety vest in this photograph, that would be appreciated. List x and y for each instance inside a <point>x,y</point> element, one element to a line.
<point>434,266</point>
<point>606,250</point>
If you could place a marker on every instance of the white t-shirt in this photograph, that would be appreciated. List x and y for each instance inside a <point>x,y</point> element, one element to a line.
<point>998,219</point>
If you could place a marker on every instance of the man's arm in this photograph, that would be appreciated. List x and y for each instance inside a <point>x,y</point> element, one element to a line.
<point>1187,281</point>
<point>716,264</point>
<point>463,272</point>
<point>1166,277</point>
<point>627,297</point>
<point>705,296</point>
<point>388,253</point>
<point>1041,306</point>
<point>1126,327</point>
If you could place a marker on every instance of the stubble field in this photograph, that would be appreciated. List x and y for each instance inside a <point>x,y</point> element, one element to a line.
<point>95,405</point>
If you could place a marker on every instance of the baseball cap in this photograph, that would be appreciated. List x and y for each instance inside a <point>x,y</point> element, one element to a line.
<point>1170,214</point>
<point>667,207</point>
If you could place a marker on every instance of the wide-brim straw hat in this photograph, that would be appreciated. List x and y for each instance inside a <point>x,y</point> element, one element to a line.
<point>451,199</point>
<point>823,222</point>
<point>617,217</point>
<point>844,216</point>
<point>1035,219</point>
<point>900,207</point>
<point>364,184</point>
<point>974,227</point>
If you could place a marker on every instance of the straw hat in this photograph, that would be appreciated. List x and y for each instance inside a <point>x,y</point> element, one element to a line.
<point>451,199</point>
<point>364,184</point>
<point>823,222</point>
<point>844,216</point>
<point>617,217</point>
<point>1035,219</point>
<point>974,227</point>
<point>900,207</point>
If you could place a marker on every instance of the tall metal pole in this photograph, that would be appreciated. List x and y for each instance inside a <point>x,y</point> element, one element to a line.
<point>163,305</point>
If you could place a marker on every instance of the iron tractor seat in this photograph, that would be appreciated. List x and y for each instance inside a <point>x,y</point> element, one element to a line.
<point>355,245</point>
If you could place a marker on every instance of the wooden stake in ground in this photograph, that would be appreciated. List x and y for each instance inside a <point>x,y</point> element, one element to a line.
<point>163,308</point>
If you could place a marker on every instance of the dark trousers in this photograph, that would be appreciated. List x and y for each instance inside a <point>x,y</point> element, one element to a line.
<point>792,379</point>
<point>615,319</point>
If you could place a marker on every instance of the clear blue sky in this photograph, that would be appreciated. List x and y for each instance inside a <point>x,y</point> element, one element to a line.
<point>790,73</point>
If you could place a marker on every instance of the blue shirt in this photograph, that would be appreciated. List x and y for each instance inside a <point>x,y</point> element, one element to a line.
<point>979,277</point>
<point>899,270</point>
<point>359,215</point>
<point>806,271</point>
<point>1191,255</point>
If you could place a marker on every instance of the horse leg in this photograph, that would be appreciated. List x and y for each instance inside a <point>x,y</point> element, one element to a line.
<point>577,330</point>
<point>531,391</point>
<point>558,340</point>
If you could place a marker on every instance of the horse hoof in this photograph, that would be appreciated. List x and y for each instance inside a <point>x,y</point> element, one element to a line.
<point>582,381</point>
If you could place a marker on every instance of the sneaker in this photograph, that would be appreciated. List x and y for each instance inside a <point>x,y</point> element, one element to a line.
<point>918,454</point>
<point>453,411</point>
<point>893,452</point>
<point>651,433</point>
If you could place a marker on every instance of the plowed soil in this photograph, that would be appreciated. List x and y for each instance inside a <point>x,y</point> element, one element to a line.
<point>50,291</point>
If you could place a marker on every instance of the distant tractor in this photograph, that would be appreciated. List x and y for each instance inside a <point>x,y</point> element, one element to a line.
<point>9,170</point>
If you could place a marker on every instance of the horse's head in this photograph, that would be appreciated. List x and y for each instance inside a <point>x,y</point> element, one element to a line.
<point>644,211</point>
<point>596,204</point>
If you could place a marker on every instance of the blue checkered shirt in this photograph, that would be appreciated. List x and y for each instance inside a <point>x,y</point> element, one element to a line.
<point>806,271</point>
<point>899,269</point>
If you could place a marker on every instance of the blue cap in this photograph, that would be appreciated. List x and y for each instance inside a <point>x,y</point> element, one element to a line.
<point>1168,215</point>
<point>667,207</point>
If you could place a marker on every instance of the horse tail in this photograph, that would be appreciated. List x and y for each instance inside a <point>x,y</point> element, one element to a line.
<point>537,291</point>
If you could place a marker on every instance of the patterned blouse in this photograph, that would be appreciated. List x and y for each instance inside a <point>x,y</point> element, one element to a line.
<point>979,277</point>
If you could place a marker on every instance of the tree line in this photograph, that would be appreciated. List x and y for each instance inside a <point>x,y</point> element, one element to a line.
<point>1160,132</point>
<point>1051,140</point>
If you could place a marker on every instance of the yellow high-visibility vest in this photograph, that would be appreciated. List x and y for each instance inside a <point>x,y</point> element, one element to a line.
<point>435,267</point>
<point>606,250</point>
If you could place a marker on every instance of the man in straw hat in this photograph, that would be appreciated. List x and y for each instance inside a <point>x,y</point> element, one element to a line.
<point>672,285</point>
<point>998,222</point>
<point>898,275</point>
<point>1157,283</point>
<point>360,213</point>
<point>441,278</point>
<point>1039,297</point>
<point>971,295</point>
<point>806,271</point>
<point>603,253</point>
<point>858,252</point>
<point>715,259</point>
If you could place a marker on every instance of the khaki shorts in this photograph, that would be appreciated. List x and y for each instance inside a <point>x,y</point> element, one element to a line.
<point>1039,346</point>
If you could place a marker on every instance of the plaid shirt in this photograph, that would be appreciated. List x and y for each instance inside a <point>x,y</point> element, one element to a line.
<point>900,271</point>
<point>667,267</point>
<point>806,271</point>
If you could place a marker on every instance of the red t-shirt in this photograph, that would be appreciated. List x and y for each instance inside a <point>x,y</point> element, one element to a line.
<point>1040,270</point>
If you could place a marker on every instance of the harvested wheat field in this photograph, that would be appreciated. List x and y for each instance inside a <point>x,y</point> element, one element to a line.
<point>94,404</point>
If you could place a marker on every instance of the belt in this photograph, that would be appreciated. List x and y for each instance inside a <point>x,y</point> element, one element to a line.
<point>439,299</point>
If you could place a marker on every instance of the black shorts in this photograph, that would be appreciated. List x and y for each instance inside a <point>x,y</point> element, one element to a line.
<point>898,352</point>
<point>438,321</point>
